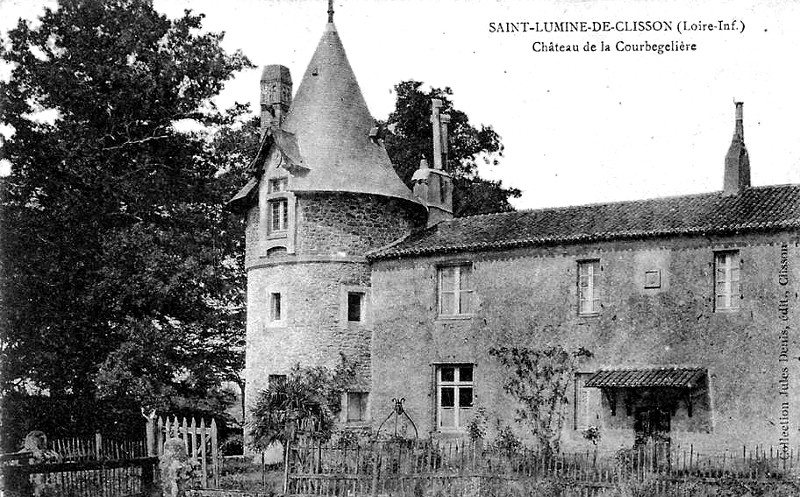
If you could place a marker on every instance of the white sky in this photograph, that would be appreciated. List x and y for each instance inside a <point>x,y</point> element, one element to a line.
<point>577,127</point>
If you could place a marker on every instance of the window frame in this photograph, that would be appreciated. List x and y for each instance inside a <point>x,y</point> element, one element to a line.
<point>278,184</point>
<point>269,319</point>
<point>282,205</point>
<point>277,211</point>
<point>456,291</point>
<point>361,297</point>
<point>365,405</point>
<point>586,402</point>
<point>460,420</point>
<point>344,317</point>
<point>593,286</point>
<point>276,303</point>
<point>731,267</point>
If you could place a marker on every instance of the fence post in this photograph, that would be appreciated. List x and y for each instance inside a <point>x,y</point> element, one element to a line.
<point>376,455</point>
<point>17,480</point>
<point>150,434</point>
<point>159,436</point>
<point>203,437</point>
<point>214,453</point>
<point>148,476</point>
<point>98,445</point>
<point>285,467</point>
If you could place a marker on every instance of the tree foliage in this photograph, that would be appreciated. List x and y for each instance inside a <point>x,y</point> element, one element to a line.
<point>308,400</point>
<point>121,272</point>
<point>410,137</point>
<point>538,379</point>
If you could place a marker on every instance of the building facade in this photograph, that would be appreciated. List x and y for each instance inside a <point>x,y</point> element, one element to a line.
<point>688,304</point>
<point>691,325</point>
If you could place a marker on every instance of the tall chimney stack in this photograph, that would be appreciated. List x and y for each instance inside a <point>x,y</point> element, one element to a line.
<point>435,186</point>
<point>737,161</point>
<point>276,96</point>
<point>436,121</point>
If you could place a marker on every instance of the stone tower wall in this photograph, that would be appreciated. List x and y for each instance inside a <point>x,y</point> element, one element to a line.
<point>333,233</point>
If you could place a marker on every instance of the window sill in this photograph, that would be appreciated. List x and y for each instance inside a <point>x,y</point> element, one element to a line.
<point>588,314</point>
<point>277,324</point>
<point>277,234</point>
<point>356,425</point>
<point>454,317</point>
<point>727,310</point>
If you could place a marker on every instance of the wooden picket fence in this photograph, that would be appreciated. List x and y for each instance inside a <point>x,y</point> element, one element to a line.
<point>458,468</point>
<point>99,466</point>
<point>97,448</point>
<point>199,439</point>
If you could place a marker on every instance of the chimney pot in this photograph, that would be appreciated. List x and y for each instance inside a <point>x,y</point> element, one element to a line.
<point>276,95</point>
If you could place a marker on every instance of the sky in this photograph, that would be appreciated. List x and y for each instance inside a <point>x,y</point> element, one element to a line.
<point>578,127</point>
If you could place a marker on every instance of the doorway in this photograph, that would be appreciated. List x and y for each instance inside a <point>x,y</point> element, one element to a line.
<point>651,424</point>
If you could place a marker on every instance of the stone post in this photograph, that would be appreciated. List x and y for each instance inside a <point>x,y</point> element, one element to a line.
<point>176,469</point>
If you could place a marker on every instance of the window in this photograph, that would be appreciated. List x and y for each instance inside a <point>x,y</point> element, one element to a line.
<point>357,406</point>
<point>275,307</point>
<point>586,403</point>
<point>454,397</point>
<point>276,379</point>
<point>353,306</point>
<point>726,281</point>
<point>278,185</point>
<point>588,287</point>
<point>278,215</point>
<point>652,279</point>
<point>355,302</point>
<point>455,290</point>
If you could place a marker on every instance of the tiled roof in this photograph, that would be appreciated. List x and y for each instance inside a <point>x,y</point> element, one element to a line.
<point>331,122</point>
<point>755,209</point>
<point>642,378</point>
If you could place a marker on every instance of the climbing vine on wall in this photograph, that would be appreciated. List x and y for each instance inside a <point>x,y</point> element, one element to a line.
<point>539,379</point>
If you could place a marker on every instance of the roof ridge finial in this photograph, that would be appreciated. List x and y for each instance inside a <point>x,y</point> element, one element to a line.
<point>330,11</point>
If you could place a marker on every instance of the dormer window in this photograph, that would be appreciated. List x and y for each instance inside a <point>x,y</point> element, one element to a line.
<point>278,185</point>
<point>278,214</point>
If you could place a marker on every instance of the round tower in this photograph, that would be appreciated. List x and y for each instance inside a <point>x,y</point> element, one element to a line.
<point>323,194</point>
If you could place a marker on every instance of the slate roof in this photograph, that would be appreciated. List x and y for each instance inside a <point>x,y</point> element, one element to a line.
<point>755,209</point>
<point>643,378</point>
<point>331,123</point>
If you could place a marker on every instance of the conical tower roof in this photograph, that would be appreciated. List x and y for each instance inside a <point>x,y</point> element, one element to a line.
<point>331,123</point>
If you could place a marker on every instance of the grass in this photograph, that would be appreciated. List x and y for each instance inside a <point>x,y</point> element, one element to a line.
<point>243,474</point>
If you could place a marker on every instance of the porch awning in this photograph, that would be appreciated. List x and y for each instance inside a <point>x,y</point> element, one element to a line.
<point>643,378</point>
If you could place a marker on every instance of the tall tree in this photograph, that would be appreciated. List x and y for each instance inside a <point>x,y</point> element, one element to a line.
<point>410,138</point>
<point>121,276</point>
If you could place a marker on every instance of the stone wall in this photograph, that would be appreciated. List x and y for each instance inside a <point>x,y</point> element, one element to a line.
<point>333,233</point>
<point>312,331</point>
<point>528,297</point>
<point>338,223</point>
<point>349,223</point>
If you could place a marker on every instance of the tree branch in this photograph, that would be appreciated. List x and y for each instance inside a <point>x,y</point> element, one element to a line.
<point>136,142</point>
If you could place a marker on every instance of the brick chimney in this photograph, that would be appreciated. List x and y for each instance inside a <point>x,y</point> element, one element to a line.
<point>276,96</point>
<point>737,162</point>
<point>435,186</point>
